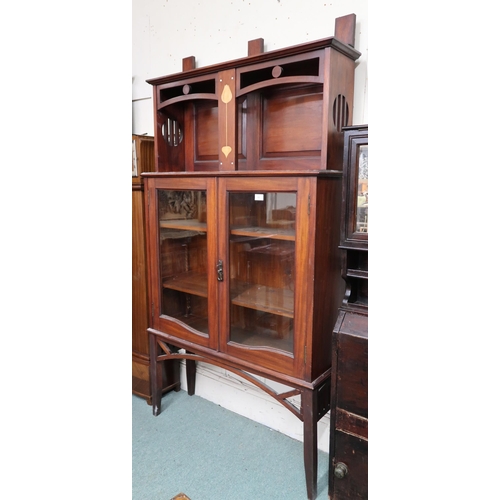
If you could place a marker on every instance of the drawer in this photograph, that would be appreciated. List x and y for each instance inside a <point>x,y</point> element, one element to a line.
<point>352,372</point>
<point>352,452</point>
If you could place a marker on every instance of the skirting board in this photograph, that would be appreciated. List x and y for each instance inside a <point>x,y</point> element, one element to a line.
<point>238,395</point>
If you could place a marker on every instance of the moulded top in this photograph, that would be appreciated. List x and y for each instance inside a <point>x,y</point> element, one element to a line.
<point>249,173</point>
<point>332,42</point>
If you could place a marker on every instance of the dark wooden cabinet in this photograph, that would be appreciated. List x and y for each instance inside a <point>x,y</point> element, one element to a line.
<point>348,471</point>
<point>243,220</point>
<point>143,161</point>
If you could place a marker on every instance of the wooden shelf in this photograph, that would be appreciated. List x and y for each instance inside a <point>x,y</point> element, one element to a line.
<point>260,337</point>
<point>190,282</point>
<point>260,232</point>
<point>357,273</point>
<point>184,225</point>
<point>263,298</point>
<point>259,297</point>
<point>198,323</point>
<point>274,250</point>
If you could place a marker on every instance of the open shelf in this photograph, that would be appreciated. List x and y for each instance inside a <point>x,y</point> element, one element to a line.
<point>357,273</point>
<point>190,282</point>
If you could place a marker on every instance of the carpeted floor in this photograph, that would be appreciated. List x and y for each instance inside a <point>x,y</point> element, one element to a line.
<point>205,452</point>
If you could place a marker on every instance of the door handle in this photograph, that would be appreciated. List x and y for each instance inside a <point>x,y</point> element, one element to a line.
<point>220,271</point>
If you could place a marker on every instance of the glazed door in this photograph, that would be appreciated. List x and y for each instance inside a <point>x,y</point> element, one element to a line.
<point>260,255</point>
<point>184,235</point>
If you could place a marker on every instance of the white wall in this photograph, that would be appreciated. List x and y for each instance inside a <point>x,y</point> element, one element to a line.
<point>214,31</point>
<point>166,31</point>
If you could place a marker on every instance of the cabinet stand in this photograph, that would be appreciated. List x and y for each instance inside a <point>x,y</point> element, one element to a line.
<point>315,397</point>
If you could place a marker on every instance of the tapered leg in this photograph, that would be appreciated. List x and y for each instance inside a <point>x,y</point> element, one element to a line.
<point>155,375</point>
<point>172,369</point>
<point>190,375</point>
<point>310,412</point>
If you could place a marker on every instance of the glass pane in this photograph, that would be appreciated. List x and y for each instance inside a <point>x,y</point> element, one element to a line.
<point>262,269</point>
<point>182,219</point>
<point>362,204</point>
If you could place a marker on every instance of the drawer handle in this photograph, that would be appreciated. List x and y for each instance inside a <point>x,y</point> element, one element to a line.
<point>340,470</point>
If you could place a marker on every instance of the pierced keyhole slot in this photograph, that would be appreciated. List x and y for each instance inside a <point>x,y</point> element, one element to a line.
<point>340,112</point>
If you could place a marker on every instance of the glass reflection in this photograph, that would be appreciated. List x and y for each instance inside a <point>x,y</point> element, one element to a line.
<point>262,269</point>
<point>362,200</point>
<point>183,256</point>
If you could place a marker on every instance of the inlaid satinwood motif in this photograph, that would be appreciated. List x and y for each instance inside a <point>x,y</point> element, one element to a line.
<point>226,97</point>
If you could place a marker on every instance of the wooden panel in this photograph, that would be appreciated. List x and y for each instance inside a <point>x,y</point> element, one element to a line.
<point>172,158</point>
<point>351,423</point>
<point>206,131</point>
<point>144,148</point>
<point>291,124</point>
<point>328,283</point>
<point>353,452</point>
<point>139,296</point>
<point>355,324</point>
<point>352,372</point>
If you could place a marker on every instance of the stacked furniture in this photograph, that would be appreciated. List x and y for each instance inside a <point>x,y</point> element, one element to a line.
<point>348,471</point>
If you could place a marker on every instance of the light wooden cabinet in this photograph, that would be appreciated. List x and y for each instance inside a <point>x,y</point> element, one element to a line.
<point>243,220</point>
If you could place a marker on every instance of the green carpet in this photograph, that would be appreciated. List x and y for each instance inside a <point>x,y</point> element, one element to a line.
<point>199,449</point>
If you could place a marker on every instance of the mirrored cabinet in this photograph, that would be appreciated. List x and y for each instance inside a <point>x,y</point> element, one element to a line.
<point>243,220</point>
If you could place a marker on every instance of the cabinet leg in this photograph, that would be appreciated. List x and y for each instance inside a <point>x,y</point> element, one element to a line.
<point>155,375</point>
<point>309,412</point>
<point>190,375</point>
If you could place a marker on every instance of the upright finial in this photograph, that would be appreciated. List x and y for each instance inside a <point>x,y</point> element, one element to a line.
<point>256,47</point>
<point>188,63</point>
<point>345,29</point>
